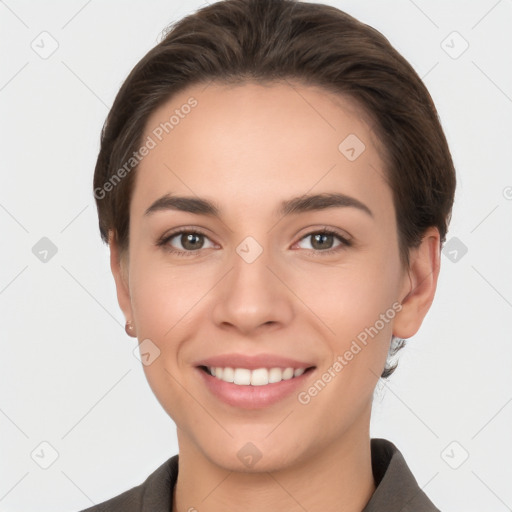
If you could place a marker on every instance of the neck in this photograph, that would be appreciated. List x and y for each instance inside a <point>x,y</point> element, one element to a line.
<point>339,477</point>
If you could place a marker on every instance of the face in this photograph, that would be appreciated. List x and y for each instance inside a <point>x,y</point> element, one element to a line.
<point>254,266</point>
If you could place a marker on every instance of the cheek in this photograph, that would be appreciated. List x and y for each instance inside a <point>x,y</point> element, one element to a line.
<point>355,303</point>
<point>164,301</point>
<point>351,297</point>
<point>162,295</point>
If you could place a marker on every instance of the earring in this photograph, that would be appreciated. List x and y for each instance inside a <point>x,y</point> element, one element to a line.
<point>129,329</point>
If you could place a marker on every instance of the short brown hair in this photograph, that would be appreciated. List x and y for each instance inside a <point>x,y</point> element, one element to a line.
<point>237,41</point>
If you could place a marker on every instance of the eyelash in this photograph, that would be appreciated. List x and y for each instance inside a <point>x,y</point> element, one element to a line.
<point>162,242</point>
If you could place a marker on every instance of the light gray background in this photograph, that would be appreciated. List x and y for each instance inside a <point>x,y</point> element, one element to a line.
<point>68,374</point>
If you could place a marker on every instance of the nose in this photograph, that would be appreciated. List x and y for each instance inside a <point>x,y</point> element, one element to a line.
<point>252,297</point>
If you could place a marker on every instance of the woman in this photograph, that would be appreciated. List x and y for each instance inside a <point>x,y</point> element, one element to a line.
<point>275,188</point>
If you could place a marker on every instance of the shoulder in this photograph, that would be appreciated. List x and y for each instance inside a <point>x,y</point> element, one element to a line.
<point>154,494</point>
<point>396,487</point>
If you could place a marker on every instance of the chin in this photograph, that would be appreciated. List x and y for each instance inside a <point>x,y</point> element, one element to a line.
<point>246,454</point>
<point>250,459</point>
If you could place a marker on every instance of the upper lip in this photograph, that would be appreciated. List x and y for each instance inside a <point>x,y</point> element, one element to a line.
<point>252,362</point>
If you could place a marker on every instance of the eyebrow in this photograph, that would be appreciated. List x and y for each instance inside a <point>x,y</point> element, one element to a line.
<point>295,205</point>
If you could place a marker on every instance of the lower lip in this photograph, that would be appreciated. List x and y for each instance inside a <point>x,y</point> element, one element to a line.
<point>252,397</point>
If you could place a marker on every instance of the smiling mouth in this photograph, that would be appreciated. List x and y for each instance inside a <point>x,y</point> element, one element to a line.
<point>256,377</point>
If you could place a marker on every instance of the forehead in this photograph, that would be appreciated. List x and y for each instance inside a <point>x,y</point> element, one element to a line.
<point>262,104</point>
<point>255,141</point>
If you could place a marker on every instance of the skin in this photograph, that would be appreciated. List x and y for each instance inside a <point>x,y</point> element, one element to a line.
<point>248,147</point>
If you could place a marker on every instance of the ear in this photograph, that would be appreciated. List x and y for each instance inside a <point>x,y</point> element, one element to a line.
<point>420,285</point>
<point>119,267</point>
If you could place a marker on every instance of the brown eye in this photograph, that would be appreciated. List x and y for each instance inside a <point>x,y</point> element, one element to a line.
<point>183,242</point>
<point>191,241</point>
<point>322,241</point>
<point>325,241</point>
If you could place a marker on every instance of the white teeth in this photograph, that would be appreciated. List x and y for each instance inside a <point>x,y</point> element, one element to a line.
<point>288,373</point>
<point>242,376</point>
<point>228,374</point>
<point>275,375</point>
<point>258,377</point>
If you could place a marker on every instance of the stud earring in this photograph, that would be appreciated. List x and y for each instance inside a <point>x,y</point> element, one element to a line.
<point>129,329</point>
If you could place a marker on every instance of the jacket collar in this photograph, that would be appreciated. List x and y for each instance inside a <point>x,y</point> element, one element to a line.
<point>396,487</point>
